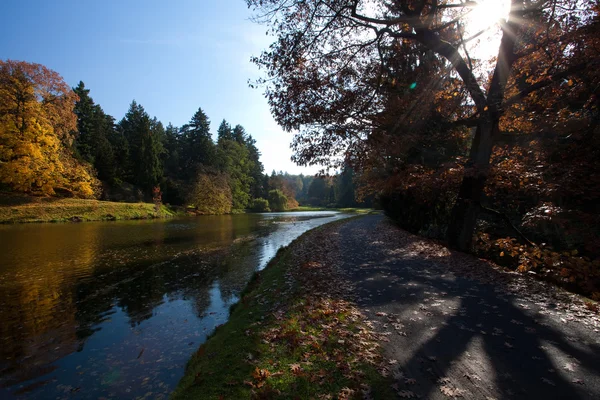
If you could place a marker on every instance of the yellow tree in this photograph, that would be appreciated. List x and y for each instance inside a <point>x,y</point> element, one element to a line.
<point>36,131</point>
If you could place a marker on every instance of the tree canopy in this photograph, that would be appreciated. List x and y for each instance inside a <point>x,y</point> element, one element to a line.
<point>354,77</point>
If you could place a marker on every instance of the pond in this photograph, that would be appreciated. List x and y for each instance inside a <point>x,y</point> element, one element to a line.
<point>116,309</point>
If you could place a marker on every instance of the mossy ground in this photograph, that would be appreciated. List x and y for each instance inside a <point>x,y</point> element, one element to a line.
<point>22,209</point>
<point>293,335</point>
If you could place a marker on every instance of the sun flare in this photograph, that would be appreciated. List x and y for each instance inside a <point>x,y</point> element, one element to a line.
<point>482,21</point>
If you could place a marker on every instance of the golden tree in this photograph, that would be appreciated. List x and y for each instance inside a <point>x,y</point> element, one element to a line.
<point>36,131</point>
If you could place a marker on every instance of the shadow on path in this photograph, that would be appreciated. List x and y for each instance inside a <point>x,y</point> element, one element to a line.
<point>455,335</point>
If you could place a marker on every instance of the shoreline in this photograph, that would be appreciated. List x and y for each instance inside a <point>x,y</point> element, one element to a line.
<point>294,333</point>
<point>21,209</point>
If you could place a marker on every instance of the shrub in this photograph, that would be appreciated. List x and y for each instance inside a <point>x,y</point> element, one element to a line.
<point>210,194</point>
<point>277,200</point>
<point>260,205</point>
<point>567,268</point>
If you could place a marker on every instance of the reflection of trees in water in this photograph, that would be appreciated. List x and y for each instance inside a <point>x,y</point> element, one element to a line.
<point>188,276</point>
<point>37,312</point>
<point>235,268</point>
<point>57,292</point>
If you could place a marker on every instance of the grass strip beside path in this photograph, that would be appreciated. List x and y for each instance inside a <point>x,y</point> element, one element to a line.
<point>294,334</point>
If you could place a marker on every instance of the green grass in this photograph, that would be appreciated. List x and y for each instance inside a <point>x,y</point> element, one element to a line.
<point>283,340</point>
<point>30,209</point>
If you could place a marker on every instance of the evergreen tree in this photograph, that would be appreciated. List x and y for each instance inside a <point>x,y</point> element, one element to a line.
<point>173,150</point>
<point>239,134</point>
<point>224,132</point>
<point>120,147</point>
<point>94,130</point>
<point>145,148</point>
<point>173,183</point>
<point>318,192</point>
<point>234,161</point>
<point>256,169</point>
<point>198,147</point>
<point>345,188</point>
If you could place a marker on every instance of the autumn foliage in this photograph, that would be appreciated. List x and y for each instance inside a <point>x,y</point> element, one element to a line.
<point>210,194</point>
<point>36,131</point>
<point>456,145</point>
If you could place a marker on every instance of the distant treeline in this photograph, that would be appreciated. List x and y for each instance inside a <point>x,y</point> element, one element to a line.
<point>190,168</point>
<point>55,140</point>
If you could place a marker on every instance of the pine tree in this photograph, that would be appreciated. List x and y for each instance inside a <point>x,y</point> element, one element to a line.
<point>224,132</point>
<point>94,127</point>
<point>199,149</point>
<point>256,169</point>
<point>239,134</point>
<point>145,148</point>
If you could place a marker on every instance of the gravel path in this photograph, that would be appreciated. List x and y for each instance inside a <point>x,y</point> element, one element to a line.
<point>452,325</point>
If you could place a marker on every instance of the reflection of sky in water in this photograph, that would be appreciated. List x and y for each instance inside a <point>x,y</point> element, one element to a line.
<point>117,309</point>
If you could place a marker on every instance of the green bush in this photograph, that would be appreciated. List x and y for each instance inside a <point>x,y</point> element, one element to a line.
<point>260,205</point>
<point>277,200</point>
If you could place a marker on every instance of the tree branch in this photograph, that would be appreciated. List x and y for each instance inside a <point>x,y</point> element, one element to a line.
<point>509,223</point>
<point>445,49</point>
<point>546,82</point>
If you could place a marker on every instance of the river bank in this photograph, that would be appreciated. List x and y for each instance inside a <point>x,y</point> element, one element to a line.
<point>362,309</point>
<point>116,309</point>
<point>26,209</point>
<point>16,209</point>
<point>294,333</point>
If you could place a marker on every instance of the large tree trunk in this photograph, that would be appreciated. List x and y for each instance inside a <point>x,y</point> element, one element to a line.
<point>468,203</point>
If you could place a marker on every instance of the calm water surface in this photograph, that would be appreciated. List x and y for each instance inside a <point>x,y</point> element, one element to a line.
<point>115,309</point>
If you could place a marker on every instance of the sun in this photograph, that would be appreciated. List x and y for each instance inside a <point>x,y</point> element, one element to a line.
<point>483,21</point>
<point>487,13</point>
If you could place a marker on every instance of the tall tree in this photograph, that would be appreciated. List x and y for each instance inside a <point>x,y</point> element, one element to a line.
<point>234,160</point>
<point>94,128</point>
<point>36,133</point>
<point>198,147</point>
<point>224,132</point>
<point>143,136</point>
<point>346,196</point>
<point>255,169</point>
<point>173,151</point>
<point>239,134</point>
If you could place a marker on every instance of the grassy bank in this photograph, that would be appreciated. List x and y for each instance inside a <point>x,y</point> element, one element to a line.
<point>292,335</point>
<point>20,209</point>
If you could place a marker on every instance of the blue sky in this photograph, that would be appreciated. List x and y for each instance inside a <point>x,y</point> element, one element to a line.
<point>170,56</point>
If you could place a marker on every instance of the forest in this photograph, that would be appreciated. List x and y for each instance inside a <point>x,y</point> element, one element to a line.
<point>56,141</point>
<point>493,150</point>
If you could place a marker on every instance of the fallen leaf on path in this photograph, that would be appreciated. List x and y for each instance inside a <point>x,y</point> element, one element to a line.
<point>569,367</point>
<point>295,368</point>
<point>450,391</point>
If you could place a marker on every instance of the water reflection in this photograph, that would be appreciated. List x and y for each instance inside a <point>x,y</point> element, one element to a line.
<point>116,309</point>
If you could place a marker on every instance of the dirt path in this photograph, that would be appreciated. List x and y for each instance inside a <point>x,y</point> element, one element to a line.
<point>454,326</point>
